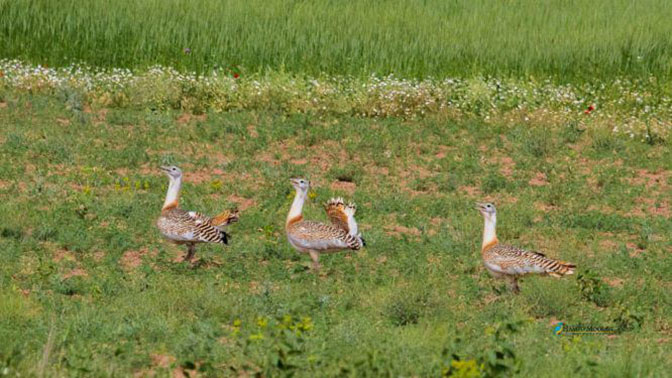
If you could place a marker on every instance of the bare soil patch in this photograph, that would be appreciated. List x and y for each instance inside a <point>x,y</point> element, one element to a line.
<point>345,186</point>
<point>198,177</point>
<point>77,272</point>
<point>162,360</point>
<point>187,117</point>
<point>241,202</point>
<point>658,179</point>
<point>471,191</point>
<point>654,207</point>
<point>545,207</point>
<point>398,231</point>
<point>613,281</point>
<point>252,131</point>
<point>608,244</point>
<point>507,165</point>
<point>538,180</point>
<point>63,255</point>
<point>325,154</point>
<point>635,250</point>
<point>98,256</point>
<point>133,259</point>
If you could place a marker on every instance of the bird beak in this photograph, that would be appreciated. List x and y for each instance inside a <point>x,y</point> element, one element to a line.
<point>479,206</point>
<point>165,168</point>
<point>294,181</point>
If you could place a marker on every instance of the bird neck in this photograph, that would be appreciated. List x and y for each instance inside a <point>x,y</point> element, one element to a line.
<point>297,207</point>
<point>173,194</point>
<point>489,232</point>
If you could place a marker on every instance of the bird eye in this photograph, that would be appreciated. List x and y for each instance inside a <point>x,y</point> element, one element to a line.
<point>174,169</point>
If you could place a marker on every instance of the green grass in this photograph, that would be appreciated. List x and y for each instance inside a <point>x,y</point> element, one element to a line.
<point>420,38</point>
<point>79,192</point>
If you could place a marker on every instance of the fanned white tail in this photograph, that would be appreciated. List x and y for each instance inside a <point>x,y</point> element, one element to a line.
<point>352,223</point>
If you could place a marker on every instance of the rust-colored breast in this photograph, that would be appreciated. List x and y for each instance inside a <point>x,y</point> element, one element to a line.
<point>170,206</point>
<point>294,220</point>
<point>489,246</point>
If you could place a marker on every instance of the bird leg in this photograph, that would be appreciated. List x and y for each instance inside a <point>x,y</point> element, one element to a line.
<point>513,284</point>
<point>315,257</point>
<point>191,250</point>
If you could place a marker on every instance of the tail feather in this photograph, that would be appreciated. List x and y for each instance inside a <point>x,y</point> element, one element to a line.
<point>336,211</point>
<point>352,224</point>
<point>225,218</point>
<point>563,268</point>
<point>225,238</point>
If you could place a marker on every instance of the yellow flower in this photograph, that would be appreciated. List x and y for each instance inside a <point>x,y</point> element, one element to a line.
<point>216,185</point>
<point>256,337</point>
<point>464,369</point>
<point>312,195</point>
<point>236,326</point>
<point>306,323</point>
<point>286,322</point>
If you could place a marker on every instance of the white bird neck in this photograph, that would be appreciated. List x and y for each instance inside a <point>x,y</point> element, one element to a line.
<point>297,206</point>
<point>173,194</point>
<point>489,231</point>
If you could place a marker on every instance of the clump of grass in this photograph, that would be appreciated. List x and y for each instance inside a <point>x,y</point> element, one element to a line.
<point>492,182</point>
<point>406,309</point>
<point>605,142</point>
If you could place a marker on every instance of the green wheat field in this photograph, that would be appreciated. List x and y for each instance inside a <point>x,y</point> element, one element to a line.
<point>564,38</point>
<point>578,169</point>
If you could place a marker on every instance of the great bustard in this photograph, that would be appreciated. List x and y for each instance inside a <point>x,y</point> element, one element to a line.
<point>315,237</point>
<point>505,261</point>
<point>189,227</point>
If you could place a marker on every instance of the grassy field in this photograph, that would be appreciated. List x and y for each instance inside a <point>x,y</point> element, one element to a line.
<point>87,286</point>
<point>559,113</point>
<point>419,38</point>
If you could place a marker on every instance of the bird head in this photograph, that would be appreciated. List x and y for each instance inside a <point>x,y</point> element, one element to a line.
<point>172,171</point>
<point>486,209</point>
<point>301,185</point>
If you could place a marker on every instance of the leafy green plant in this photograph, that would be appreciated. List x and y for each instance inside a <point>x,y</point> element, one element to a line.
<point>626,318</point>
<point>278,342</point>
<point>593,289</point>
<point>463,369</point>
<point>497,358</point>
